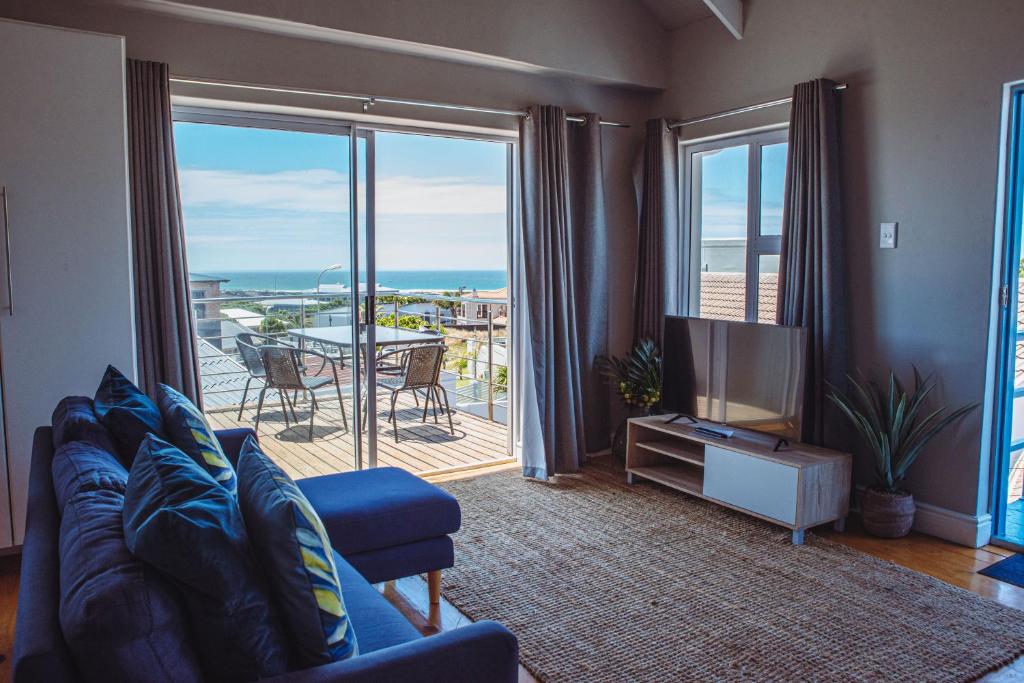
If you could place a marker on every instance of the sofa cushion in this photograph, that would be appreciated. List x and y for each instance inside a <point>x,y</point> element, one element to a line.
<point>379,508</point>
<point>296,555</point>
<point>126,412</point>
<point>120,619</point>
<point>75,419</point>
<point>181,521</point>
<point>378,623</point>
<point>187,428</point>
<point>79,466</point>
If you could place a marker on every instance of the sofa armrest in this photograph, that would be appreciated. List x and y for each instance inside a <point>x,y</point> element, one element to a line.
<point>484,651</point>
<point>40,653</point>
<point>231,441</point>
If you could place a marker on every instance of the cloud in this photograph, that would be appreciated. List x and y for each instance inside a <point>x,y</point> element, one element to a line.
<point>326,191</point>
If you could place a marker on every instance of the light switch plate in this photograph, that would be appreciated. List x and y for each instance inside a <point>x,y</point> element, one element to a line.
<point>887,236</point>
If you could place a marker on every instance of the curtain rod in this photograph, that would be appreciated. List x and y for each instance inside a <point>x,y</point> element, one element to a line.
<point>741,110</point>
<point>369,101</point>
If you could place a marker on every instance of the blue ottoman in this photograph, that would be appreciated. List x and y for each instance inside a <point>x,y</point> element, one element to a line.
<point>387,523</point>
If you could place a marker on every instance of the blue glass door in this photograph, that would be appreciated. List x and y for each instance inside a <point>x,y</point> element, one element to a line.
<point>1008,508</point>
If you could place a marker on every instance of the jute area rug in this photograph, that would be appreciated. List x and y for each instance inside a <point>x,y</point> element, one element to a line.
<point>602,581</point>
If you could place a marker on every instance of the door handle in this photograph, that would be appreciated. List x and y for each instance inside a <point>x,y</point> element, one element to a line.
<point>371,310</point>
<point>7,250</point>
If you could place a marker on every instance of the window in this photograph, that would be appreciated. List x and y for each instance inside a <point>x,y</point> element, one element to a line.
<point>733,191</point>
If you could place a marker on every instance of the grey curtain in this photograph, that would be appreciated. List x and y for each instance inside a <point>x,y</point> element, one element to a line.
<point>165,332</point>
<point>658,264</point>
<point>589,236</point>
<point>812,277</point>
<point>563,245</point>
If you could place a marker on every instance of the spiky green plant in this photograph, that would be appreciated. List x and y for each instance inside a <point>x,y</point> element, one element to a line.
<point>637,377</point>
<point>893,423</point>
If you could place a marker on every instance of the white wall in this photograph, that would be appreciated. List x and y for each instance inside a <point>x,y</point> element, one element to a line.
<point>920,132</point>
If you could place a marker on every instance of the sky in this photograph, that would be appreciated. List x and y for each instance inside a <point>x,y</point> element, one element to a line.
<point>258,199</point>
<point>724,191</point>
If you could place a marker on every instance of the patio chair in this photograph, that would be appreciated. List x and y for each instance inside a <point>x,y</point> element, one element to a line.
<point>282,364</point>
<point>248,344</point>
<point>421,371</point>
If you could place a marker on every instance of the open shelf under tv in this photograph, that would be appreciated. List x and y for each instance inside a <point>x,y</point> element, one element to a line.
<point>798,486</point>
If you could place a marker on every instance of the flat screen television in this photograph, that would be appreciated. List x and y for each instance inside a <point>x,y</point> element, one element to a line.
<point>740,374</point>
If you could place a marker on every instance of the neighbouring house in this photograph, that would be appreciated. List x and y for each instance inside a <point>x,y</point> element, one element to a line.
<point>494,302</point>
<point>208,313</point>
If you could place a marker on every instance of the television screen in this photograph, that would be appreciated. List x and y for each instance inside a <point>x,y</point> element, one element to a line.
<point>741,374</point>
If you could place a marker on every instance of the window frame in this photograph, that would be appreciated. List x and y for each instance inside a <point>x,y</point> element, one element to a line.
<point>757,244</point>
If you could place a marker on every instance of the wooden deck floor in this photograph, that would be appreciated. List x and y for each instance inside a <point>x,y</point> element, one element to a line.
<point>422,447</point>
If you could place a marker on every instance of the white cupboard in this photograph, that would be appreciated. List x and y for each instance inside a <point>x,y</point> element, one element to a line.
<point>63,168</point>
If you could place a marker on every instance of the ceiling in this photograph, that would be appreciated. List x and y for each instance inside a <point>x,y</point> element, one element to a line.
<point>673,14</point>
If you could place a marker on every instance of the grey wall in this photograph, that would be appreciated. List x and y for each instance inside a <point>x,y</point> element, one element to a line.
<point>920,134</point>
<point>616,41</point>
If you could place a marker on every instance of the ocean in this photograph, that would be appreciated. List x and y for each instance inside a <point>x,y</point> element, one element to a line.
<point>298,280</point>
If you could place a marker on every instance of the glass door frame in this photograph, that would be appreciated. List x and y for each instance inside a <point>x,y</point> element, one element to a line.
<point>355,131</point>
<point>1011,210</point>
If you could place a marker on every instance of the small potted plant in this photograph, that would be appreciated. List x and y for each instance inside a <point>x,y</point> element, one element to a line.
<point>895,427</point>
<point>637,379</point>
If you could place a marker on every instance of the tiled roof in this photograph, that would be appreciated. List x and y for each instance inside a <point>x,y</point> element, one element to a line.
<point>722,296</point>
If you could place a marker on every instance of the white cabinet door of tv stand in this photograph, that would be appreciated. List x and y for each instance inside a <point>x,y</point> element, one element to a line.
<point>797,486</point>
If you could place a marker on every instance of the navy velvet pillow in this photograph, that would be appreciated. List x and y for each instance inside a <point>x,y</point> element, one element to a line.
<point>121,620</point>
<point>181,521</point>
<point>292,546</point>
<point>74,419</point>
<point>126,412</point>
<point>80,466</point>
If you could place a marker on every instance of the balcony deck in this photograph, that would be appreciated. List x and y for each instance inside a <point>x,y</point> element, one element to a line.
<point>422,447</point>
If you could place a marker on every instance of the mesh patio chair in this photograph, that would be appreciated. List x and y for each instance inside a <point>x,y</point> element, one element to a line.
<point>421,371</point>
<point>283,373</point>
<point>249,344</point>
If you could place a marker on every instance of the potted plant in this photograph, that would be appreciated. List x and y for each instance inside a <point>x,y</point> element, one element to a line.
<point>895,427</point>
<point>637,379</point>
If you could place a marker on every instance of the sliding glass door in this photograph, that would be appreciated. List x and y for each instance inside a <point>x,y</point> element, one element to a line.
<point>341,249</point>
<point>276,218</point>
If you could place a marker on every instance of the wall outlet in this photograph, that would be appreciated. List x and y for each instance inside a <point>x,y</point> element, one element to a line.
<point>887,238</point>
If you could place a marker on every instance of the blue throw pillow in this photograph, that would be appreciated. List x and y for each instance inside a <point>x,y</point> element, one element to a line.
<point>126,412</point>
<point>80,466</point>
<point>295,552</point>
<point>74,419</point>
<point>187,429</point>
<point>178,519</point>
<point>121,620</point>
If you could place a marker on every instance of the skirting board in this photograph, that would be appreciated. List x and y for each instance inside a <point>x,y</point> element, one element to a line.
<point>972,531</point>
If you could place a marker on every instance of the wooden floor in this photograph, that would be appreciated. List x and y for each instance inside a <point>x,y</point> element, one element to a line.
<point>946,561</point>
<point>422,447</point>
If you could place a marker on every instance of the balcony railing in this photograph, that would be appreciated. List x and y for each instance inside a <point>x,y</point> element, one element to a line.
<point>476,364</point>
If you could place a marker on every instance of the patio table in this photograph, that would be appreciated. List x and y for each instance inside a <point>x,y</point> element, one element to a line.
<point>341,336</point>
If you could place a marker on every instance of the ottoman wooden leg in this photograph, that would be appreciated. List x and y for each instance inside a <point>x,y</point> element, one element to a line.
<point>434,586</point>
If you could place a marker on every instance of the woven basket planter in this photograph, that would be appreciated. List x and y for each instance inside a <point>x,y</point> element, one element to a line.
<point>885,514</point>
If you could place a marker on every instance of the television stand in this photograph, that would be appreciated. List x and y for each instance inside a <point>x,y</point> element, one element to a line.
<point>798,487</point>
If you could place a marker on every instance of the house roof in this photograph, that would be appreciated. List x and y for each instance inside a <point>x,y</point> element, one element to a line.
<point>723,296</point>
<point>199,277</point>
<point>498,294</point>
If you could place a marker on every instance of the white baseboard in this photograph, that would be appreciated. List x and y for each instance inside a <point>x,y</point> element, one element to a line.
<point>972,531</point>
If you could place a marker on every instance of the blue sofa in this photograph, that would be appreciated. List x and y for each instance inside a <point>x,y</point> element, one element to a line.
<point>379,531</point>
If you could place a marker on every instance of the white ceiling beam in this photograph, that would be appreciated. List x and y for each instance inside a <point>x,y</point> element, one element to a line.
<point>730,13</point>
